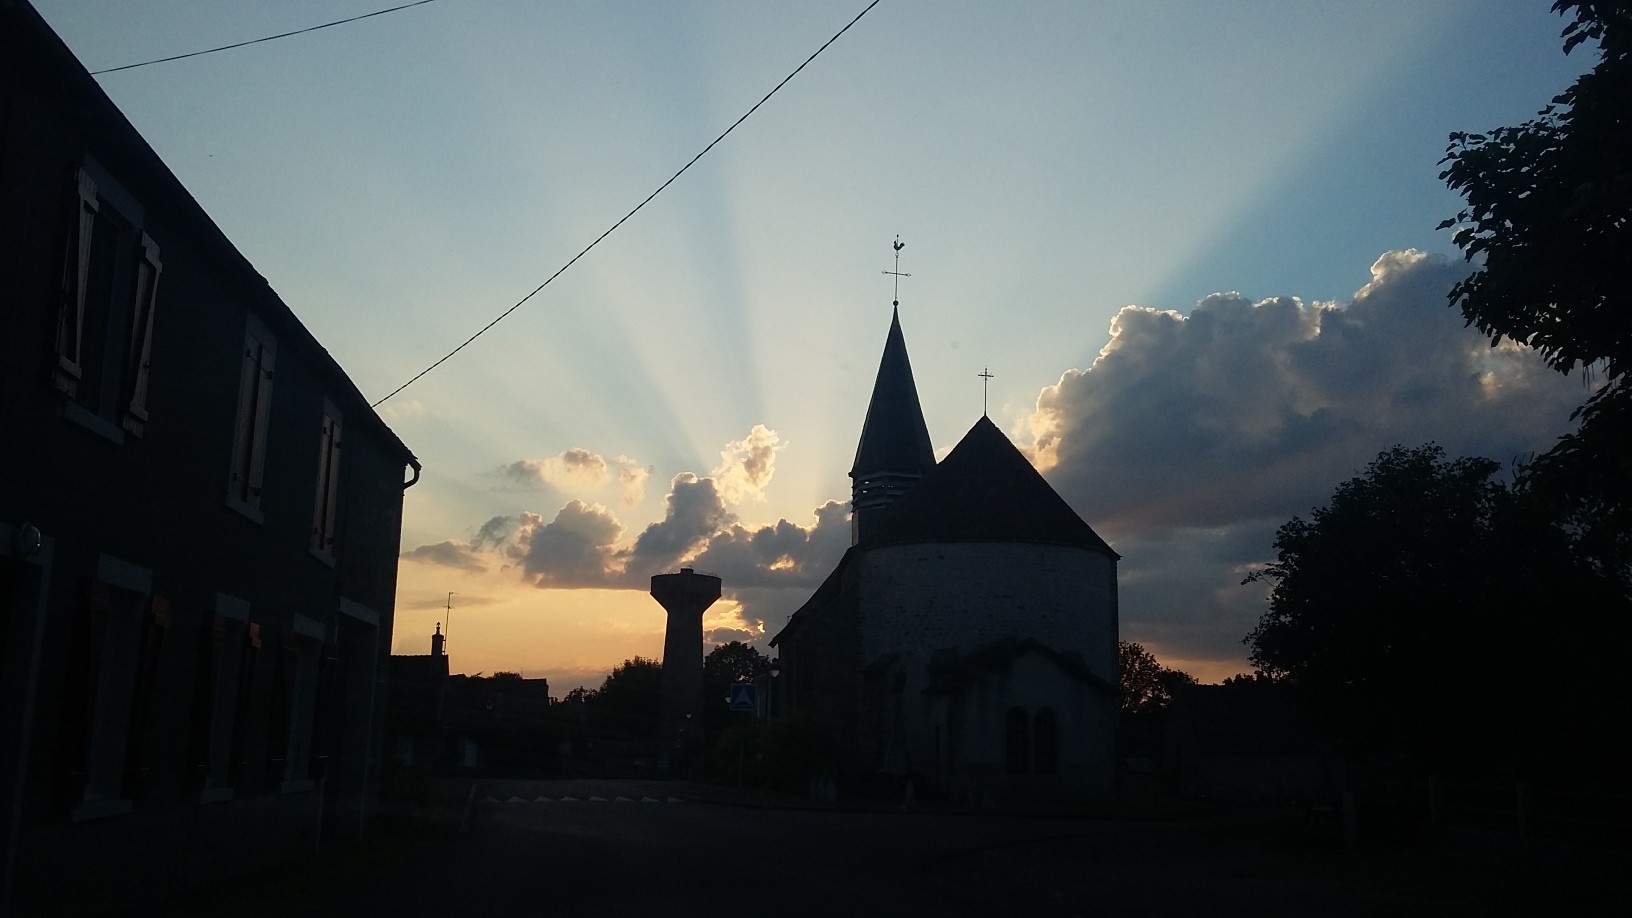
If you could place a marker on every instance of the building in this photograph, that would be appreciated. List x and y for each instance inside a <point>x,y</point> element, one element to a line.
<point>199,526</point>
<point>968,636</point>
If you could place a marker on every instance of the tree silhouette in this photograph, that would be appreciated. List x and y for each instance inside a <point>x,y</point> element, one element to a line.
<point>734,662</point>
<point>1428,609</point>
<point>1549,220</point>
<point>1146,685</point>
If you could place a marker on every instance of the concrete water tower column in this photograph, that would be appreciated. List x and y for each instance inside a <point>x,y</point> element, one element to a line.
<point>685,596</point>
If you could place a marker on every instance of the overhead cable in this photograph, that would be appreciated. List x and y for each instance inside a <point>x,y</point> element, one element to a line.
<point>256,41</point>
<point>559,271</point>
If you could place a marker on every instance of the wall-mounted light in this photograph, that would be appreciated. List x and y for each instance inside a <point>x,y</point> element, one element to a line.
<point>26,540</point>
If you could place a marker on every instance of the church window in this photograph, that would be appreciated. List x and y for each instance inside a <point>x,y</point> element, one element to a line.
<point>1017,732</point>
<point>1045,748</point>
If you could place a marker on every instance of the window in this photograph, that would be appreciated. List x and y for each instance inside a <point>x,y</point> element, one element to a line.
<point>110,281</point>
<point>328,483</point>
<point>118,635</point>
<point>223,657</point>
<point>295,696</point>
<point>254,413</point>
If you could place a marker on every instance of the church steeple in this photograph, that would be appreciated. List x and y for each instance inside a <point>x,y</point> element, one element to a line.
<point>894,451</point>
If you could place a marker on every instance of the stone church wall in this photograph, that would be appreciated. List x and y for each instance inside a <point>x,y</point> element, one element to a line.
<point>923,597</point>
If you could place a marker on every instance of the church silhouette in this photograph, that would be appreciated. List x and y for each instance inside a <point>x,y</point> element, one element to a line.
<point>967,638</point>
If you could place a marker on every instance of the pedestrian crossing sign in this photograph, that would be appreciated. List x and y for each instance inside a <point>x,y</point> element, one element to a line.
<point>744,697</point>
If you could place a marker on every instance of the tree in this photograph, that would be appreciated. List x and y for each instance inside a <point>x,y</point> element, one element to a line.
<point>1431,610</point>
<point>628,700</point>
<point>1146,685</point>
<point>1549,219</point>
<point>734,662</point>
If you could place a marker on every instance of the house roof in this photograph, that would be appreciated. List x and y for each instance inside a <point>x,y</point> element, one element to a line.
<point>894,437</point>
<point>825,595</point>
<point>985,490</point>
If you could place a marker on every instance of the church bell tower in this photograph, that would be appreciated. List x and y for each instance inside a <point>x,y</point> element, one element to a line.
<point>894,451</point>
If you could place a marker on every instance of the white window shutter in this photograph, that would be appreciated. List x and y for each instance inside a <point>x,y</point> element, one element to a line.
<point>76,271</point>
<point>141,338</point>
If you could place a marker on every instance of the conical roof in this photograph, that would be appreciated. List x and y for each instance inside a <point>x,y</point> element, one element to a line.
<point>985,490</point>
<point>894,437</point>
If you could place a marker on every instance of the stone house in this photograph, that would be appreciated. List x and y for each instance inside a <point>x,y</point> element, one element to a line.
<point>199,526</point>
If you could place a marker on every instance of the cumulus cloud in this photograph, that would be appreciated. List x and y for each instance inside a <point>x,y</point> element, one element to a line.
<point>450,553</point>
<point>576,549</point>
<point>746,465</point>
<point>1255,410</point>
<point>579,471</point>
<point>632,480</point>
<point>694,510</point>
<point>1190,439</point>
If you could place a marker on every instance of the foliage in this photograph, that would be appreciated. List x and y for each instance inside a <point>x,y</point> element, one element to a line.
<point>1146,685</point>
<point>734,662</point>
<point>1549,220</point>
<point>628,700</point>
<point>1423,606</point>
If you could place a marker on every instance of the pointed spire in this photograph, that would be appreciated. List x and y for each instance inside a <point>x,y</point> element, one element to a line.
<point>895,450</point>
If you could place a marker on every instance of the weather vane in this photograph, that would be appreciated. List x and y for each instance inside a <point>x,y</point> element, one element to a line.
<point>986,378</point>
<point>899,245</point>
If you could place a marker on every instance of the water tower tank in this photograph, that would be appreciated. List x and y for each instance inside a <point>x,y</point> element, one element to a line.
<point>685,596</point>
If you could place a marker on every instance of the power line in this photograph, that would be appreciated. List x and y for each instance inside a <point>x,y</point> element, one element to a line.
<point>559,271</point>
<point>256,41</point>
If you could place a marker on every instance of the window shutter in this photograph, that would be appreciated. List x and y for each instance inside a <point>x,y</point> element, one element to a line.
<point>328,485</point>
<point>263,412</point>
<point>75,272</point>
<point>141,333</point>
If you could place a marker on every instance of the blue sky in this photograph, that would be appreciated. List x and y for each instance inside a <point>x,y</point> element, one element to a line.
<point>402,180</point>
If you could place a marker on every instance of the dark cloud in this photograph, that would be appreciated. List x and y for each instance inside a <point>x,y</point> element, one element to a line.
<point>727,635</point>
<point>576,549</point>
<point>694,511</point>
<point>448,554</point>
<point>1253,410</point>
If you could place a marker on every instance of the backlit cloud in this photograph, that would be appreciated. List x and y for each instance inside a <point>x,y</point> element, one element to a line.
<point>1254,410</point>
<point>576,549</point>
<point>450,553</point>
<point>1190,439</point>
<point>581,472</point>
<point>746,465</point>
<point>694,510</point>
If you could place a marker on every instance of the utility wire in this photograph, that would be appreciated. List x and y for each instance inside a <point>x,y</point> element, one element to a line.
<point>561,270</point>
<point>256,41</point>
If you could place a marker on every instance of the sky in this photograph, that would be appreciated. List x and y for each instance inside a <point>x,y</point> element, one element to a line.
<point>1194,243</point>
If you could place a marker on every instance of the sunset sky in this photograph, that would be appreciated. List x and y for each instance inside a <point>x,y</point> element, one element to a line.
<point>1080,186</point>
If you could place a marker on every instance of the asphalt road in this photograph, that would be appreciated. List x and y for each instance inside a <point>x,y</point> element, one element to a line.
<point>652,849</point>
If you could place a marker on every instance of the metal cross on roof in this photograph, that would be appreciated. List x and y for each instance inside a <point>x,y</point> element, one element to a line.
<point>986,378</point>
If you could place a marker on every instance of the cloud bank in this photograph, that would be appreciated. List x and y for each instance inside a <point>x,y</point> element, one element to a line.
<point>1191,438</point>
<point>585,546</point>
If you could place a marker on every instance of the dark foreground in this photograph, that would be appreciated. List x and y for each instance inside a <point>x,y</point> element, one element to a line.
<point>681,850</point>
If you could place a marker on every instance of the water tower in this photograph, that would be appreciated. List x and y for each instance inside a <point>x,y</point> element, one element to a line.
<point>684,596</point>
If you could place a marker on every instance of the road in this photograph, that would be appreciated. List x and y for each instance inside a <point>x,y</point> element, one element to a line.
<point>650,849</point>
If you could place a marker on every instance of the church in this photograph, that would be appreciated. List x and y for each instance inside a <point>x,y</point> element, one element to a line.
<point>967,638</point>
